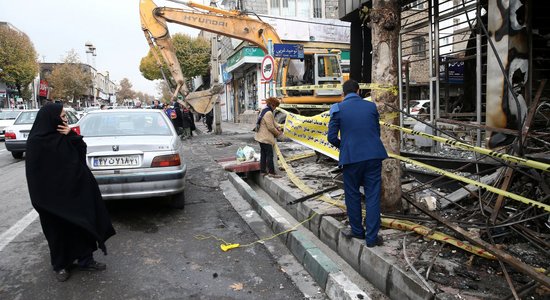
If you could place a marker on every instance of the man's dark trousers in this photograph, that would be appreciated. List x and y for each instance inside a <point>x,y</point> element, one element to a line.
<point>365,173</point>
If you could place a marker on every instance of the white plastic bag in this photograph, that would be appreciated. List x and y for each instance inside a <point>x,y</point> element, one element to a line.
<point>248,152</point>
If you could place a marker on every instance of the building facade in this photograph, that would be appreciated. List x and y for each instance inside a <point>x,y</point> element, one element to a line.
<point>310,23</point>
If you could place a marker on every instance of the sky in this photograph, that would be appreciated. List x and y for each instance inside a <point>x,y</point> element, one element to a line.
<point>112,26</point>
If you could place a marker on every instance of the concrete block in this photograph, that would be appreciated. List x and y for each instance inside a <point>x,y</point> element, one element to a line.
<point>402,285</point>
<point>375,268</point>
<point>298,244</point>
<point>350,250</point>
<point>341,288</point>
<point>315,222</point>
<point>330,231</point>
<point>302,213</point>
<point>319,266</point>
<point>280,225</point>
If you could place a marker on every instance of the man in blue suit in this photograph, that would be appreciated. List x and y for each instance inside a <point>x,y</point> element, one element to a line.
<point>361,155</point>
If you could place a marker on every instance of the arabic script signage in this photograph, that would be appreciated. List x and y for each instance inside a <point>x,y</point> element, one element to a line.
<point>288,50</point>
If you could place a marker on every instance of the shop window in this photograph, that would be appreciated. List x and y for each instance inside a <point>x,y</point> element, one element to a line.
<point>419,46</point>
<point>297,8</point>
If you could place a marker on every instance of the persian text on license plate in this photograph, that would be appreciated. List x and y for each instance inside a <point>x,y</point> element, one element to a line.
<point>117,161</point>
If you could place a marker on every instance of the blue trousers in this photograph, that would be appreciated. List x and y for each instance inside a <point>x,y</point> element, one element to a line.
<point>365,173</point>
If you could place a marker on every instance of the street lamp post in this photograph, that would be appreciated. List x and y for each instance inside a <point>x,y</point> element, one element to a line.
<point>91,52</point>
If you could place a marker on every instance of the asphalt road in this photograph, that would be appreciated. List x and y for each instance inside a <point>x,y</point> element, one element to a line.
<point>155,254</point>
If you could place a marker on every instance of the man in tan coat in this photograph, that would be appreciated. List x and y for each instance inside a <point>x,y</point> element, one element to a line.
<point>266,132</point>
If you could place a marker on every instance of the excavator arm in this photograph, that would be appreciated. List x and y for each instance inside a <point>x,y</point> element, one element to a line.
<point>229,23</point>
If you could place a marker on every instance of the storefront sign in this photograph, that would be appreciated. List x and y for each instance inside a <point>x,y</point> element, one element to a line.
<point>43,92</point>
<point>288,50</point>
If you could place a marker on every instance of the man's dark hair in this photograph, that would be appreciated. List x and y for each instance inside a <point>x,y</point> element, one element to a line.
<point>350,86</point>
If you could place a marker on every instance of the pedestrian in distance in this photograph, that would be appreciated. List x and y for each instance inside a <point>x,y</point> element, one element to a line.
<point>188,123</point>
<point>209,119</point>
<point>266,133</point>
<point>361,156</point>
<point>156,105</point>
<point>65,194</point>
<point>178,120</point>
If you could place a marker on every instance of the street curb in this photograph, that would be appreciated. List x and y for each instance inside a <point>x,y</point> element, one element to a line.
<point>381,270</point>
<point>325,272</point>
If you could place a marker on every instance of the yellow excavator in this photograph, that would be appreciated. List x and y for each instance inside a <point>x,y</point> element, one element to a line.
<point>318,66</point>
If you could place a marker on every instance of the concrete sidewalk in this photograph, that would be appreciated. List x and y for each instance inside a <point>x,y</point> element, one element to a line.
<point>373,264</point>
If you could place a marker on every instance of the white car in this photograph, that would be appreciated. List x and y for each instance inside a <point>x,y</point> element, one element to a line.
<point>7,117</point>
<point>135,153</point>
<point>16,134</point>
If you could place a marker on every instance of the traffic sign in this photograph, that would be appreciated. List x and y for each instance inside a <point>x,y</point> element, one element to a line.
<point>268,67</point>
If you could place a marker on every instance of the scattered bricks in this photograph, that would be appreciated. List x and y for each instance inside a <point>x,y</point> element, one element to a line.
<point>375,268</point>
<point>319,266</point>
<point>350,250</point>
<point>340,287</point>
<point>330,231</point>
<point>298,244</point>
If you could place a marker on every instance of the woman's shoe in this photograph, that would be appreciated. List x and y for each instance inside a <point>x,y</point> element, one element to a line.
<point>62,275</point>
<point>93,266</point>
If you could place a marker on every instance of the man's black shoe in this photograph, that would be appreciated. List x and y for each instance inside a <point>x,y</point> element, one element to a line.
<point>379,242</point>
<point>93,266</point>
<point>62,275</point>
<point>347,233</point>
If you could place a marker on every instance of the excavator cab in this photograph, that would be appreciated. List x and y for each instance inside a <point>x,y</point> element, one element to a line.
<point>327,71</point>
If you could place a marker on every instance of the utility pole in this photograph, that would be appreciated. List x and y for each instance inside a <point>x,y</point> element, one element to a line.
<point>385,25</point>
<point>214,79</point>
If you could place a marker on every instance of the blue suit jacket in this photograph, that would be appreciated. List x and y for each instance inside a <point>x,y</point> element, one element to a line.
<point>357,121</point>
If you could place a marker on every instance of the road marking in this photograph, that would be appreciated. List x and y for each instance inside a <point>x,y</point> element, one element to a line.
<point>15,230</point>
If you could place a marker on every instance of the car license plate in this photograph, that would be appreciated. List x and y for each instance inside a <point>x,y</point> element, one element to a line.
<point>117,161</point>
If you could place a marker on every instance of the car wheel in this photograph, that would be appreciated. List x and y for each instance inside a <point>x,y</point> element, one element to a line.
<point>17,154</point>
<point>178,200</point>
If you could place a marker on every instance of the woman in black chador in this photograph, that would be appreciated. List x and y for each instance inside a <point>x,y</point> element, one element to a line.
<point>65,193</point>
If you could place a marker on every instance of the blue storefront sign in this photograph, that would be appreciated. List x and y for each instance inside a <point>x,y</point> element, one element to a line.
<point>288,50</point>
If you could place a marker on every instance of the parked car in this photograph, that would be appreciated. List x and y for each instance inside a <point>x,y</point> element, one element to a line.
<point>7,117</point>
<point>135,153</point>
<point>16,134</point>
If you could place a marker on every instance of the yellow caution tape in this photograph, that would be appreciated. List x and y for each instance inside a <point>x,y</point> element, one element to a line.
<point>364,86</point>
<point>300,156</point>
<point>503,156</point>
<point>436,235</point>
<point>387,222</point>
<point>473,182</point>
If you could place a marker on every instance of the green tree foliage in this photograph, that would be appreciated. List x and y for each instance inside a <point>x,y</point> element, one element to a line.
<point>71,79</point>
<point>164,91</point>
<point>18,60</point>
<point>125,91</point>
<point>149,67</point>
<point>193,55</point>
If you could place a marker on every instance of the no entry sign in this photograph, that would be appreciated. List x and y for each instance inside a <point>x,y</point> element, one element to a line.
<point>268,67</point>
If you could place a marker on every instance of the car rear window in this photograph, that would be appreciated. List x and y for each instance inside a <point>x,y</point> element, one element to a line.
<point>124,124</point>
<point>26,117</point>
<point>9,114</point>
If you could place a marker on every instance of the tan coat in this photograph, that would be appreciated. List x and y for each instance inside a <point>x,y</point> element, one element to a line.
<point>268,130</point>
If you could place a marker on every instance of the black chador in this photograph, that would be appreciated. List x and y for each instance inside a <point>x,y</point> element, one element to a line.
<point>64,191</point>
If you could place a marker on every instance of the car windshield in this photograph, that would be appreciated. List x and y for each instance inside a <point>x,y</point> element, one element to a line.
<point>124,124</point>
<point>9,114</point>
<point>26,117</point>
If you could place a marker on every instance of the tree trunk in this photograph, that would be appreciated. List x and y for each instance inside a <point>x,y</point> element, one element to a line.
<point>385,25</point>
